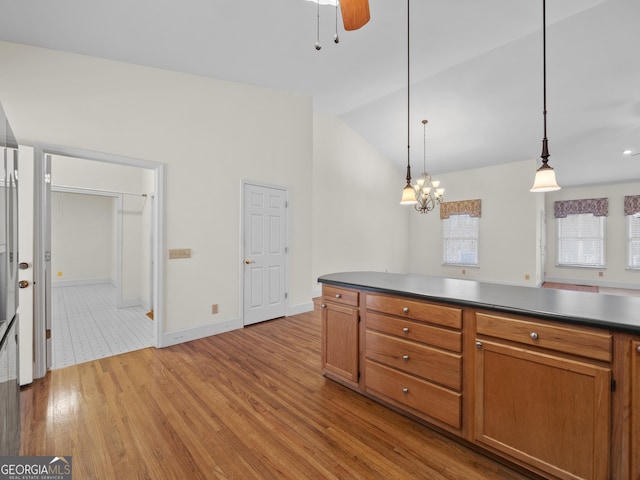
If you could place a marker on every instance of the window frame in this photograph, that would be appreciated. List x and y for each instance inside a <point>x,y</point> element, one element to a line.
<point>602,237</point>
<point>475,239</point>
<point>630,239</point>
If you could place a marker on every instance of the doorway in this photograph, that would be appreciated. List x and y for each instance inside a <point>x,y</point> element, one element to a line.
<point>265,252</point>
<point>123,191</point>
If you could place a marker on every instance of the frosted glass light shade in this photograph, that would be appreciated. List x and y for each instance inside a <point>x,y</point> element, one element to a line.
<point>545,180</point>
<point>408,196</point>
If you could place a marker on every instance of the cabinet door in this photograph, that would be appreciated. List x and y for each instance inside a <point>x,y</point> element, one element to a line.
<point>543,410</point>
<point>340,342</point>
<point>635,410</point>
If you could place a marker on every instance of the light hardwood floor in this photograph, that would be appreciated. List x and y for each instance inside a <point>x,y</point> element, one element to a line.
<point>251,403</point>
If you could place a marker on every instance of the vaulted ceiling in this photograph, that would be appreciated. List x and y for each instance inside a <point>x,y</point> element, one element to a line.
<point>476,69</point>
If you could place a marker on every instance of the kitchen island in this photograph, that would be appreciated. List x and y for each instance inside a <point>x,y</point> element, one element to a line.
<point>546,379</point>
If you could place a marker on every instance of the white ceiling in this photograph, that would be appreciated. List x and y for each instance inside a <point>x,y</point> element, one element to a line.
<point>476,69</point>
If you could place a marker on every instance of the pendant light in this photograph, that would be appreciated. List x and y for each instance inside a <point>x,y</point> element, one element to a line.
<point>545,180</point>
<point>408,192</point>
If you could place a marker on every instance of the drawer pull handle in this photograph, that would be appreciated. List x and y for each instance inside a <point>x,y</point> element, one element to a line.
<point>478,344</point>
<point>405,390</point>
<point>406,330</point>
<point>405,357</point>
<point>323,306</point>
<point>338,295</point>
<point>638,349</point>
<point>533,335</point>
<point>405,309</point>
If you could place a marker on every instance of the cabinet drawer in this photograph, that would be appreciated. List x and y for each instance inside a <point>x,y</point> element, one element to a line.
<point>340,295</point>
<point>435,365</point>
<point>416,310</point>
<point>416,331</point>
<point>431,400</point>
<point>582,341</point>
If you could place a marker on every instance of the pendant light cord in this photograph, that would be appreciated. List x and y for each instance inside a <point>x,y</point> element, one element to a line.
<point>545,148</point>
<point>408,97</point>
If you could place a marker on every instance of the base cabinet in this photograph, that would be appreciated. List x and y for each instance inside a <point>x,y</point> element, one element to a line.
<point>559,399</point>
<point>548,412</point>
<point>340,337</point>
<point>635,410</point>
<point>540,403</point>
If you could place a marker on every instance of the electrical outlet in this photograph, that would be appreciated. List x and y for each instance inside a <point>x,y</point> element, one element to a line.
<point>526,276</point>
<point>59,274</point>
<point>601,274</point>
<point>464,271</point>
<point>214,308</point>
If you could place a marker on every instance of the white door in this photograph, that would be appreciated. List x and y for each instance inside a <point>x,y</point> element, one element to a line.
<point>265,272</point>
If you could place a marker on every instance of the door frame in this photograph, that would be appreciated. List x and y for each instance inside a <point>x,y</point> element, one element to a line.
<point>39,294</point>
<point>287,220</point>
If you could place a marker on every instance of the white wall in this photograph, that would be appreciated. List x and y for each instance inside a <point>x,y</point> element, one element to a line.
<point>615,273</point>
<point>358,222</point>
<point>82,234</point>
<point>508,236</point>
<point>129,184</point>
<point>209,134</point>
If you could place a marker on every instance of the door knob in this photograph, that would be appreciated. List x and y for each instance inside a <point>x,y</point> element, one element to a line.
<point>23,265</point>
<point>23,283</point>
<point>248,262</point>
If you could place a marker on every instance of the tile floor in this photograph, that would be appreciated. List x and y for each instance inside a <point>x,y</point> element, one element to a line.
<point>86,325</point>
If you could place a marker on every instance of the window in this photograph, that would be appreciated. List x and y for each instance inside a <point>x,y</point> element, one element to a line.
<point>633,241</point>
<point>581,240</point>
<point>581,227</point>
<point>460,239</point>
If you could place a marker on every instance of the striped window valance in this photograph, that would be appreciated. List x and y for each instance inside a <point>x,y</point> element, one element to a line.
<point>632,204</point>
<point>463,207</point>
<point>599,207</point>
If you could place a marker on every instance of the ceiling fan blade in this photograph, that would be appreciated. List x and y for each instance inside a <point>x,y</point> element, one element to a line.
<point>355,13</point>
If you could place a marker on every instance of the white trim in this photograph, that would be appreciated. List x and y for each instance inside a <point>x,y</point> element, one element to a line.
<point>40,150</point>
<point>301,308</point>
<point>83,282</point>
<point>180,336</point>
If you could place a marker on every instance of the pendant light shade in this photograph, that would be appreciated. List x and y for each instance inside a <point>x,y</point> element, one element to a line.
<point>545,180</point>
<point>408,196</point>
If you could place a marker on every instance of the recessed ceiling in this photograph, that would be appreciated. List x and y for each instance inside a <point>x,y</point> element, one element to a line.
<point>476,68</point>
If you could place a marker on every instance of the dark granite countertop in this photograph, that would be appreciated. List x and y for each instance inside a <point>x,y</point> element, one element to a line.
<point>613,312</point>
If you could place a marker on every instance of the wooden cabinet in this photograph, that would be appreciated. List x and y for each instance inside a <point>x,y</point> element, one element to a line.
<point>559,399</point>
<point>634,449</point>
<point>543,395</point>
<point>413,357</point>
<point>340,336</point>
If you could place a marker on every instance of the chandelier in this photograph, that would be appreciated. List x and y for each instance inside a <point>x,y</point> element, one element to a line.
<point>428,192</point>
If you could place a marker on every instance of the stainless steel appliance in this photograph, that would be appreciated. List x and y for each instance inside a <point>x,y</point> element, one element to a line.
<point>9,379</point>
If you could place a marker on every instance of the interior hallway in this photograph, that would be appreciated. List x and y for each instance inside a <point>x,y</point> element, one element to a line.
<point>87,325</point>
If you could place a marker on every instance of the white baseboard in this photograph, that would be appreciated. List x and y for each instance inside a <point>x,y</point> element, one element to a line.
<point>77,283</point>
<point>180,336</point>
<point>130,302</point>
<point>301,308</point>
